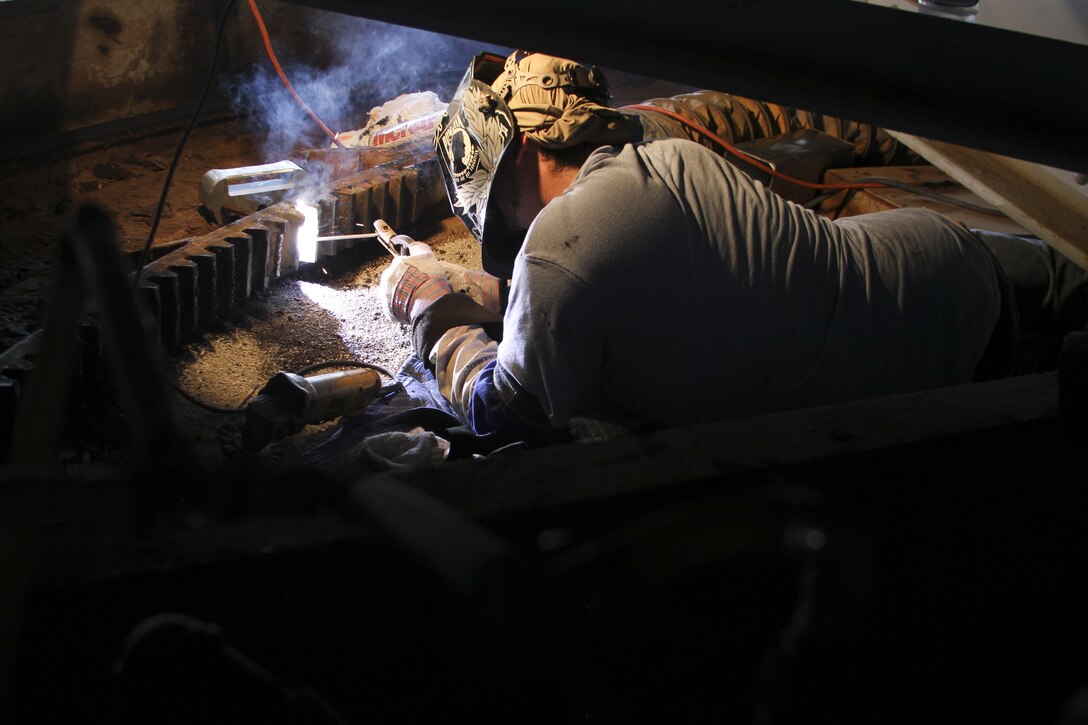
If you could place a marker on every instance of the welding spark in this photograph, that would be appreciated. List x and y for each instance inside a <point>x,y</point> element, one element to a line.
<point>307,233</point>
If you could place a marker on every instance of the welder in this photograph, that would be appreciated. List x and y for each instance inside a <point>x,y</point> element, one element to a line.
<point>641,281</point>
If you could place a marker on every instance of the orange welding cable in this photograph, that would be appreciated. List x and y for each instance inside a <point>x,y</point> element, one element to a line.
<point>748,159</point>
<point>283,76</point>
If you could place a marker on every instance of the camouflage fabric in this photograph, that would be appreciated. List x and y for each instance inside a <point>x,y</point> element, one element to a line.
<point>559,103</point>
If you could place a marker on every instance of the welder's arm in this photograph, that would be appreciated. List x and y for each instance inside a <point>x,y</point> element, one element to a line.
<point>459,340</point>
<point>489,291</point>
<point>459,358</point>
<point>412,283</point>
<point>531,382</point>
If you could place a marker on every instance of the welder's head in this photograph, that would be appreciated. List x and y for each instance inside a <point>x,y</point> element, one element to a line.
<point>554,102</point>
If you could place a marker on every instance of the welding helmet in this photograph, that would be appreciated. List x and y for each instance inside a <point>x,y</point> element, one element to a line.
<point>470,141</point>
<point>555,102</point>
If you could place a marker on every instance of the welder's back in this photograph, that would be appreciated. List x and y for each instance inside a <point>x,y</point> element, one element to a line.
<point>683,290</point>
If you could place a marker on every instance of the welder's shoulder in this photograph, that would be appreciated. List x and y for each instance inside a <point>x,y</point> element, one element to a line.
<point>662,159</point>
<point>635,185</point>
<point>613,207</point>
<point>678,157</point>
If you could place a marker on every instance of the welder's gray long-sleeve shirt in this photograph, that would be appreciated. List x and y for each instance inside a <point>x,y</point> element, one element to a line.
<point>688,293</point>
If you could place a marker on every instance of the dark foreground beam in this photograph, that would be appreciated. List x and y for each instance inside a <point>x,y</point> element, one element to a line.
<point>926,552</point>
<point>575,474</point>
<point>987,88</point>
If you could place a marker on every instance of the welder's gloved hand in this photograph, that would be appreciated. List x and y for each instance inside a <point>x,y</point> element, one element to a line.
<point>411,283</point>
<point>477,284</point>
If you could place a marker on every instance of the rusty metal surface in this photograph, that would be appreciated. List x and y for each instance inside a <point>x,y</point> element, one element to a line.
<point>206,278</point>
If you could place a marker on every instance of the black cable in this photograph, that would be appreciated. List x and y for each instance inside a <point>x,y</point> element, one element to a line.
<point>208,406</point>
<point>816,201</point>
<point>181,146</point>
<point>249,396</point>
<point>846,198</point>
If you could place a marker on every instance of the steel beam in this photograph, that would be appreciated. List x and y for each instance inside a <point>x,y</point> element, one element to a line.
<point>997,90</point>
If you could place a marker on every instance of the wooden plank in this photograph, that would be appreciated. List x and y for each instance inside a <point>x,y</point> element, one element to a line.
<point>871,200</point>
<point>1051,209</point>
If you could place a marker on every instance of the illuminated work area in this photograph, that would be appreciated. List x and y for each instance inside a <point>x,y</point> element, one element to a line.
<point>355,366</point>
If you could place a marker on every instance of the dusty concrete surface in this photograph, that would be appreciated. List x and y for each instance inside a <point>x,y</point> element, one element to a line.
<point>322,315</point>
<point>313,318</point>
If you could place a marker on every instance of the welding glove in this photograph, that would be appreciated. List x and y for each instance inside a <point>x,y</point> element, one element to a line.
<point>477,284</point>
<point>411,283</point>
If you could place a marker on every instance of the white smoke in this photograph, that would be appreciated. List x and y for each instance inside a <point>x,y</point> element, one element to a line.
<point>341,66</point>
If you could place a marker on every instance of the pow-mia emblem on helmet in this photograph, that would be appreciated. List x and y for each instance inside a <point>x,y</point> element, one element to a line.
<point>460,152</point>
<point>472,145</point>
<point>470,141</point>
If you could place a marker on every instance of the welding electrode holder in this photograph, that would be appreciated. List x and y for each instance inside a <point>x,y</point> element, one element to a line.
<point>393,242</point>
<point>288,402</point>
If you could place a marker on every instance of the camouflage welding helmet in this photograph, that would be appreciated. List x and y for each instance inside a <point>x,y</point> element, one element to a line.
<point>475,131</point>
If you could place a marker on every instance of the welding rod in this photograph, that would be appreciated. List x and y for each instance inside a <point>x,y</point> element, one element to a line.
<point>384,235</point>
<point>338,237</point>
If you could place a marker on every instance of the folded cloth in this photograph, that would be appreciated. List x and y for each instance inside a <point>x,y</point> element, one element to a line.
<point>416,404</point>
<point>416,448</point>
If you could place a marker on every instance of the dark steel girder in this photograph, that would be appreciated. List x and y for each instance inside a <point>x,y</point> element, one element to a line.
<point>991,89</point>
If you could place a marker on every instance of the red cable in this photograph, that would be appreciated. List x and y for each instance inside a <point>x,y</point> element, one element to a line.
<point>748,159</point>
<point>283,77</point>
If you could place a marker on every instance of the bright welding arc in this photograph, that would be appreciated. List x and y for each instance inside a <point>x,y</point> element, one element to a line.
<point>307,233</point>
